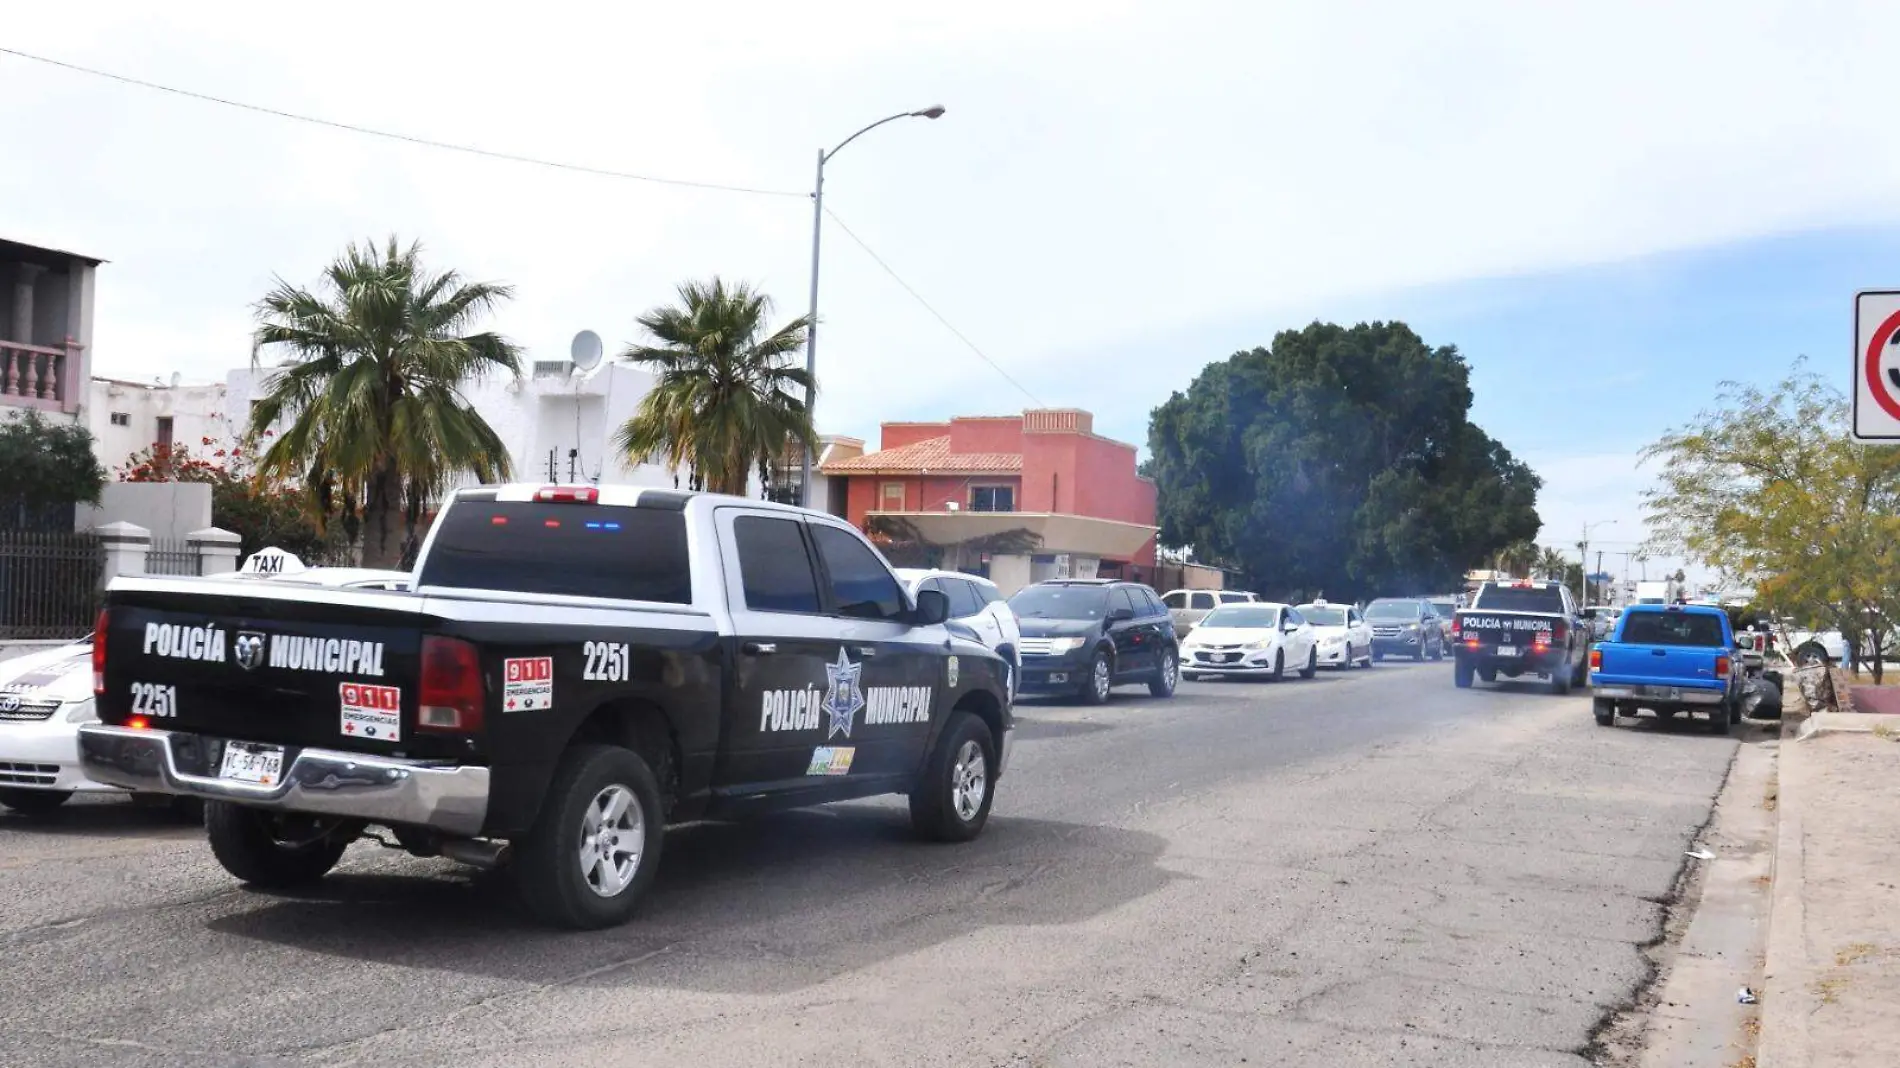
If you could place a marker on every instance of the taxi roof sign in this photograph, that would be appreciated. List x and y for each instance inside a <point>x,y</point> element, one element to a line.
<point>272,561</point>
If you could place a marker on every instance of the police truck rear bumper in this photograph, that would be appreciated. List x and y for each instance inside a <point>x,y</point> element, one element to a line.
<point>323,782</point>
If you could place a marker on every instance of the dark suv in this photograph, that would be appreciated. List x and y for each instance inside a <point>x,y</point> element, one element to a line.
<point>1084,637</point>
<point>1405,626</point>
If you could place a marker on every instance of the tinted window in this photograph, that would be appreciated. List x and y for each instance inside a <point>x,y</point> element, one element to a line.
<point>1234,598</point>
<point>990,594</point>
<point>581,550</point>
<point>1251,616</point>
<point>1177,599</point>
<point>1153,602</point>
<point>1203,600</point>
<point>1393,610</point>
<point>1522,599</point>
<point>1060,602</point>
<point>1293,616</point>
<point>861,585</point>
<point>1324,617</point>
<point>1353,616</point>
<point>1120,600</point>
<point>1444,608</point>
<point>774,565</point>
<point>1672,628</point>
<point>963,598</point>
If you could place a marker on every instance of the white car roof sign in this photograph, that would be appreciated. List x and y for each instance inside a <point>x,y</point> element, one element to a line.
<point>272,561</point>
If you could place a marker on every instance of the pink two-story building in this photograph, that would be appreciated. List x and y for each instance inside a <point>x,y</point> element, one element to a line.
<point>1045,471</point>
<point>45,328</point>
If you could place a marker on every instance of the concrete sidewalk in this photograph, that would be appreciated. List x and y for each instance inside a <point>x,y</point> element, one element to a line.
<point>1831,993</point>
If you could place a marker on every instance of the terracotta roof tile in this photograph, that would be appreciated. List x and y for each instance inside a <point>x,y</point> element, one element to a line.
<point>932,455</point>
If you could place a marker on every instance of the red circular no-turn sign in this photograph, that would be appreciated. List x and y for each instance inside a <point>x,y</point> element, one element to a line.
<point>1882,383</point>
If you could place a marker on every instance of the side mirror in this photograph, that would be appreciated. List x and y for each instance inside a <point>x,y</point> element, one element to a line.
<point>1289,627</point>
<point>1120,615</point>
<point>933,607</point>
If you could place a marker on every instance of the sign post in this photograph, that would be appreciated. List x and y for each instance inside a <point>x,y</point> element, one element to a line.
<point>1876,379</point>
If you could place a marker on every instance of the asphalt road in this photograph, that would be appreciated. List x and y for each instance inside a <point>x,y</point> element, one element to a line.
<point>1363,869</point>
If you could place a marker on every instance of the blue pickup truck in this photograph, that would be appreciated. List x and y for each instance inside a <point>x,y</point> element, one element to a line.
<point>1670,659</point>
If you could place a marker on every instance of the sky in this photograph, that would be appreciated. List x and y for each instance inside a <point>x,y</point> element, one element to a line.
<point>1608,207</point>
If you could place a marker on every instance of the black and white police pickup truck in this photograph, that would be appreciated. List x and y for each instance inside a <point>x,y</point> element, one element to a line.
<point>575,668</point>
<point>1521,628</point>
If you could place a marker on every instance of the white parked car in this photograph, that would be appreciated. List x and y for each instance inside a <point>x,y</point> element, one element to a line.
<point>1188,607</point>
<point>976,603</point>
<point>45,696</point>
<point>1345,639</point>
<point>1260,639</point>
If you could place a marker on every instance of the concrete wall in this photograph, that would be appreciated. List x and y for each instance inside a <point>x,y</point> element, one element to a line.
<point>898,435</point>
<point>196,412</point>
<point>170,510</point>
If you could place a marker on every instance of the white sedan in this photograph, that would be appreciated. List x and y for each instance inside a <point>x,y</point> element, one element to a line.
<point>976,603</point>
<point>1261,640</point>
<point>1345,638</point>
<point>44,697</point>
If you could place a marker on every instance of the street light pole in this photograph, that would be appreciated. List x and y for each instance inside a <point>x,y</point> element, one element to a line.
<point>1583,556</point>
<point>817,230</point>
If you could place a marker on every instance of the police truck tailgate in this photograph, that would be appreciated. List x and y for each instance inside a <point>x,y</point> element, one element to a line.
<point>290,667</point>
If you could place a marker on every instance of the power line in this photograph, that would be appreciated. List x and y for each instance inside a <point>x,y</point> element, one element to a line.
<point>425,142</point>
<point>919,298</point>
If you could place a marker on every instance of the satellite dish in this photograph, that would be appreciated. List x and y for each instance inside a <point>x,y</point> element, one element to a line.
<point>585,351</point>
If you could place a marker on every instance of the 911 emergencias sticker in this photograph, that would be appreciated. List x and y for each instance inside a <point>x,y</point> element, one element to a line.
<point>373,712</point>
<point>527,684</point>
<point>831,760</point>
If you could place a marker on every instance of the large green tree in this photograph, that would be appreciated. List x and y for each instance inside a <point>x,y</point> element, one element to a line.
<point>729,399</point>
<point>45,468</point>
<point>1770,490</point>
<point>377,424</point>
<point>1339,460</point>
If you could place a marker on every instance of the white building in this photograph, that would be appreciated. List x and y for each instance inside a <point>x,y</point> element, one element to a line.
<point>128,417</point>
<point>558,425</point>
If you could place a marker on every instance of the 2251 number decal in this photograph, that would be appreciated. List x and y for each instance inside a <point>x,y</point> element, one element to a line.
<point>606,662</point>
<point>154,699</point>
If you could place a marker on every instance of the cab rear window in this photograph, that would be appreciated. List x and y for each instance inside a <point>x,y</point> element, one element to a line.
<point>580,550</point>
<point>1672,628</point>
<point>1548,599</point>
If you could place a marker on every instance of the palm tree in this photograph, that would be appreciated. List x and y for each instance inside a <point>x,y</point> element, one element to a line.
<point>729,400</point>
<point>377,423</point>
<point>1516,558</point>
<point>1551,564</point>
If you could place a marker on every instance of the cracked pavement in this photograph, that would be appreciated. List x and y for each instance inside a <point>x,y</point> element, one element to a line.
<point>1371,868</point>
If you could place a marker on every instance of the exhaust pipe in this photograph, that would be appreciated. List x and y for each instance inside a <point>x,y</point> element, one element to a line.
<point>474,852</point>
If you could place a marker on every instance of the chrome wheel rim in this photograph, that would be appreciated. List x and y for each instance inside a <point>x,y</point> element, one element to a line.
<point>1171,672</point>
<point>613,839</point>
<point>969,781</point>
<point>1100,679</point>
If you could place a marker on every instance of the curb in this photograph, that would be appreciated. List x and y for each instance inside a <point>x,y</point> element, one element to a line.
<point>1784,1017</point>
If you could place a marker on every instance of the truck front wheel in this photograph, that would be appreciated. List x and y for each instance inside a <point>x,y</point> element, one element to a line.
<point>595,846</point>
<point>951,801</point>
<point>277,851</point>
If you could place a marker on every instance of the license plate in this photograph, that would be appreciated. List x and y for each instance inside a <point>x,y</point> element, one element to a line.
<point>1668,693</point>
<point>1507,650</point>
<point>1228,658</point>
<point>253,763</point>
<point>1058,676</point>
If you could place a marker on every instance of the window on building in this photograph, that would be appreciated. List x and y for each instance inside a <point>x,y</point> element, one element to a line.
<point>861,585</point>
<point>774,566</point>
<point>992,499</point>
<point>165,431</point>
<point>891,498</point>
<point>121,419</point>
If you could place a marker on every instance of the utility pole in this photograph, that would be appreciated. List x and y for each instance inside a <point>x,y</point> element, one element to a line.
<point>1583,556</point>
<point>1599,571</point>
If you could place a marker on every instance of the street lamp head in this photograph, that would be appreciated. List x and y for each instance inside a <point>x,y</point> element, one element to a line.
<point>928,113</point>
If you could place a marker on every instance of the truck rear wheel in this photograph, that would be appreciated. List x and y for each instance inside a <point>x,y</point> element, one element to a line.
<point>1718,720</point>
<point>1461,672</point>
<point>1560,681</point>
<point>278,851</point>
<point>1605,712</point>
<point>595,846</point>
<point>951,801</point>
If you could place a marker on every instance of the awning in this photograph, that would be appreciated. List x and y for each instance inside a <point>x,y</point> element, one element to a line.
<point>1077,534</point>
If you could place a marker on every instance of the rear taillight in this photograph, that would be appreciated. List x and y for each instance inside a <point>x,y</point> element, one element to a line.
<point>99,656</point>
<point>1457,627</point>
<point>452,694</point>
<point>1559,631</point>
<point>1721,667</point>
<point>568,495</point>
<point>1596,660</point>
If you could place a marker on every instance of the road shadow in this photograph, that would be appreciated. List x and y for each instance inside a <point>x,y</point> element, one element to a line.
<point>1030,729</point>
<point>104,818</point>
<point>784,901</point>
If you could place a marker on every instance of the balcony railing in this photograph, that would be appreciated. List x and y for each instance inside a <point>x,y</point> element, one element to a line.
<point>39,376</point>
